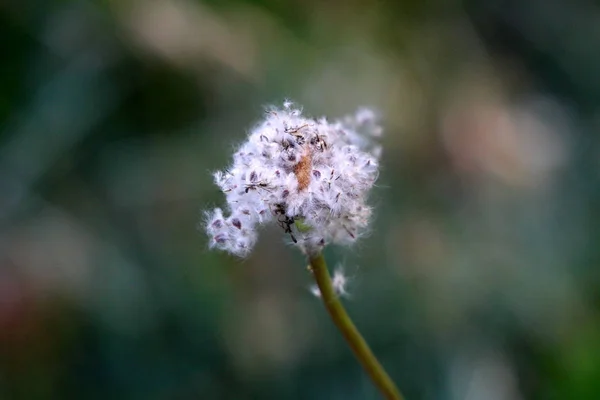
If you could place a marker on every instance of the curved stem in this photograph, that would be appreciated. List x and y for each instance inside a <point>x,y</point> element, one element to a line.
<point>342,320</point>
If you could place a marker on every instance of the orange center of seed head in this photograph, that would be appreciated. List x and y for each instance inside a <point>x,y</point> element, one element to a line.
<point>303,169</point>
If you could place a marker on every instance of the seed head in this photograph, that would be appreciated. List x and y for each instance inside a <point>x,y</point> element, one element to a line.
<point>297,170</point>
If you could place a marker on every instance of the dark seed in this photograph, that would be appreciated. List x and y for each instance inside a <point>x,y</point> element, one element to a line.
<point>221,238</point>
<point>316,174</point>
<point>285,193</point>
<point>217,224</point>
<point>236,222</point>
<point>253,176</point>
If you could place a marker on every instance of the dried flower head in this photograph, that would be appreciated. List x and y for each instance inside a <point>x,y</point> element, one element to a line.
<point>310,176</point>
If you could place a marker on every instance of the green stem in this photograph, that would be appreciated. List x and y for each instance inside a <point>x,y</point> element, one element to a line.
<point>342,320</point>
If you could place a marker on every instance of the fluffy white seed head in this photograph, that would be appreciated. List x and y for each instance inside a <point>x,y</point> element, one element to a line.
<point>311,177</point>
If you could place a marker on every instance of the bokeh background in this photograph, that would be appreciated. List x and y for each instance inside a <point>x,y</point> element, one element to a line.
<point>479,279</point>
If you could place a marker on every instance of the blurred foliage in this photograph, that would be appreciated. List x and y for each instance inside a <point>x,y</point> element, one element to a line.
<point>479,279</point>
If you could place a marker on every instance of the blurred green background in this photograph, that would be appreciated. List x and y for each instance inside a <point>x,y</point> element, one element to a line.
<point>479,279</point>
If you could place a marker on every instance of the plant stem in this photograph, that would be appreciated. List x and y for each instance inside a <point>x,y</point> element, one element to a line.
<point>342,320</point>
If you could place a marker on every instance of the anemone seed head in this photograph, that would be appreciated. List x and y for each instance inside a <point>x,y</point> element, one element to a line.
<point>295,170</point>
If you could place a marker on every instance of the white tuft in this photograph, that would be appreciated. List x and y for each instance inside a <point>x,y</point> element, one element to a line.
<point>314,289</point>
<point>294,168</point>
<point>339,281</point>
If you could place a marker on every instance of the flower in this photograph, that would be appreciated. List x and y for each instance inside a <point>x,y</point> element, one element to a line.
<point>310,176</point>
